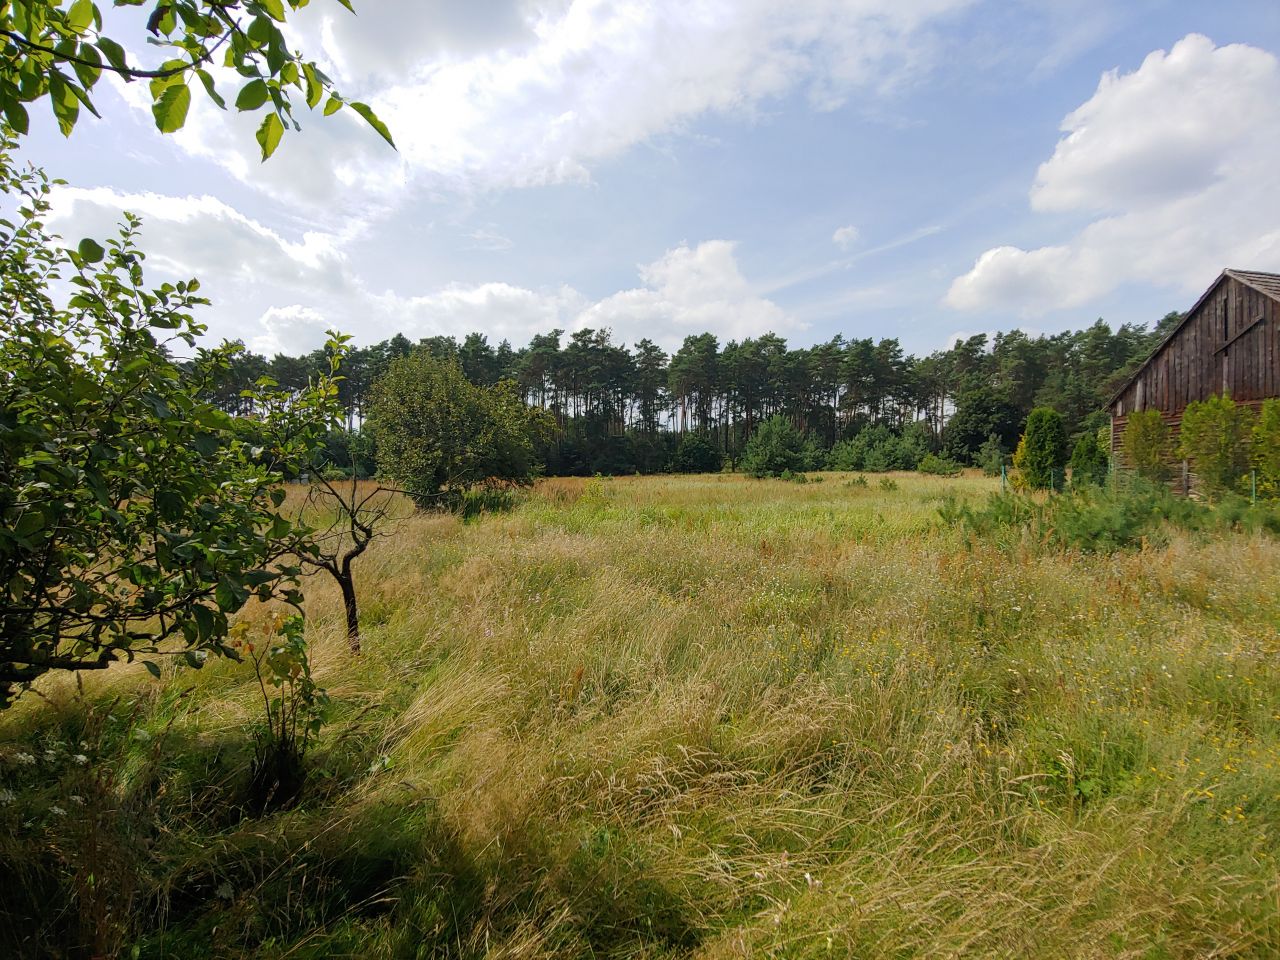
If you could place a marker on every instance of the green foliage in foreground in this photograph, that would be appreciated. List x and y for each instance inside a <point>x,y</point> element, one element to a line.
<point>132,510</point>
<point>59,51</point>
<point>1090,461</point>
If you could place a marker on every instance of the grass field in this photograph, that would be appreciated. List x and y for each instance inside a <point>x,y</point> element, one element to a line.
<point>706,717</point>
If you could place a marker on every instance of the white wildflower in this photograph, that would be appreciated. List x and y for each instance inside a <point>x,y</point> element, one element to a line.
<point>26,759</point>
<point>57,811</point>
<point>80,758</point>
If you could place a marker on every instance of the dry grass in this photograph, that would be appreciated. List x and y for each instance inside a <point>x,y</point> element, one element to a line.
<point>714,717</point>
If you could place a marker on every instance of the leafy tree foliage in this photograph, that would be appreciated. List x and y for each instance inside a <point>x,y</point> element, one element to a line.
<point>696,453</point>
<point>439,435</point>
<point>991,456</point>
<point>777,448</point>
<point>1215,436</point>
<point>134,510</point>
<point>1265,453</point>
<point>1145,443</point>
<point>1089,460</point>
<point>1042,452</point>
<point>59,52</point>
<point>621,410</point>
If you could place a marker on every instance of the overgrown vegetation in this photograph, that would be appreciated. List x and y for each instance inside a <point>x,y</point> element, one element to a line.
<point>699,716</point>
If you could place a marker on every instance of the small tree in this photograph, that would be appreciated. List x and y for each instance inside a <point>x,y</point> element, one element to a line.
<point>776,448</point>
<point>696,453</point>
<point>357,515</point>
<point>1089,460</point>
<point>1042,452</point>
<point>1144,441</point>
<point>133,511</point>
<point>1215,437</point>
<point>1265,453</point>
<point>991,456</point>
<point>439,435</point>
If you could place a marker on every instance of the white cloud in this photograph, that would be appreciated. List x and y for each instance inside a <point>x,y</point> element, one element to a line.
<point>845,237</point>
<point>496,93</point>
<point>1179,159</point>
<point>280,295</point>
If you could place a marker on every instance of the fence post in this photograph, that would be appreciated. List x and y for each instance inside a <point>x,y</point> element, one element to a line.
<point>1186,479</point>
<point>1253,487</point>
<point>1002,479</point>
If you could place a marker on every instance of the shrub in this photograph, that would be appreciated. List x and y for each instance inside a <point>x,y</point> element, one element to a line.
<point>777,447</point>
<point>938,466</point>
<point>439,435</point>
<point>1215,437</point>
<point>1145,438</point>
<point>991,456</point>
<point>1089,461</point>
<point>888,484</point>
<point>1265,453</point>
<point>1042,452</point>
<point>696,453</point>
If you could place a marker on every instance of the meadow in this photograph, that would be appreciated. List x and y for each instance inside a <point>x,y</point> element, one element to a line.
<point>705,717</point>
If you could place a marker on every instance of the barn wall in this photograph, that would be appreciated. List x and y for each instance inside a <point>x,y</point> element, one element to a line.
<point>1193,365</point>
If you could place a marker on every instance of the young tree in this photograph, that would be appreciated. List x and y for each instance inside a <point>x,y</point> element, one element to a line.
<point>1145,442</point>
<point>1089,460</point>
<point>356,516</point>
<point>1215,437</point>
<point>132,509</point>
<point>439,435</point>
<point>1265,452</point>
<point>696,453</point>
<point>58,51</point>
<point>1042,452</point>
<point>776,448</point>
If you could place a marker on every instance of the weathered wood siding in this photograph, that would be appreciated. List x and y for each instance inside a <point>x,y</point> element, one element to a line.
<point>1230,343</point>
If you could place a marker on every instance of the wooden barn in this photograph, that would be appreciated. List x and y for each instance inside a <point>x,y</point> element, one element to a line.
<point>1229,342</point>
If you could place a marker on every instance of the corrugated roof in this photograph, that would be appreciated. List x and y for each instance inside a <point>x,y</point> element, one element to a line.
<point>1265,283</point>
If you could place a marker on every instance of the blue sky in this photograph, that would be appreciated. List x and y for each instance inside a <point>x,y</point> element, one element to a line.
<point>919,169</point>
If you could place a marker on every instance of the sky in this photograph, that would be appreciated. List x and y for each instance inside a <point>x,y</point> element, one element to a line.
<point>919,169</point>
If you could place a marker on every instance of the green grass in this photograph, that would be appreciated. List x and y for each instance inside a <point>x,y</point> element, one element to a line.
<point>701,717</point>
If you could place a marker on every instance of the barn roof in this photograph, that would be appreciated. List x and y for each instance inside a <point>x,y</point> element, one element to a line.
<point>1267,284</point>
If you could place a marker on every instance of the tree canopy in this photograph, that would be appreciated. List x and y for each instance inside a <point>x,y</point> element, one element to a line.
<point>132,508</point>
<point>61,53</point>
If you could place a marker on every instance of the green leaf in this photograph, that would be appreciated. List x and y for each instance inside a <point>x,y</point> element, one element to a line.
<point>252,95</point>
<point>90,251</point>
<point>152,668</point>
<point>114,54</point>
<point>80,16</point>
<point>332,106</point>
<point>314,88</point>
<point>274,8</point>
<point>15,114</point>
<point>171,109</point>
<point>210,89</point>
<point>372,119</point>
<point>269,134</point>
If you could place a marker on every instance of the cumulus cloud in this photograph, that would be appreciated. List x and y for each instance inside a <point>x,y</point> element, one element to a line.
<point>280,294</point>
<point>500,93</point>
<point>845,237</point>
<point>1177,162</point>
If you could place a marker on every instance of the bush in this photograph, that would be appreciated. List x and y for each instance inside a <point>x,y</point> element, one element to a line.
<point>1215,437</point>
<point>1265,453</point>
<point>696,453</point>
<point>991,456</point>
<point>938,466</point>
<point>1089,461</point>
<point>1145,438</point>
<point>1042,451</point>
<point>777,447</point>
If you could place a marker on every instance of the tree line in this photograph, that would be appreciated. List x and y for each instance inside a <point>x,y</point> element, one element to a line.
<point>620,409</point>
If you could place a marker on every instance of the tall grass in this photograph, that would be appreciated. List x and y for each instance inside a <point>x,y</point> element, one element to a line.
<point>707,717</point>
